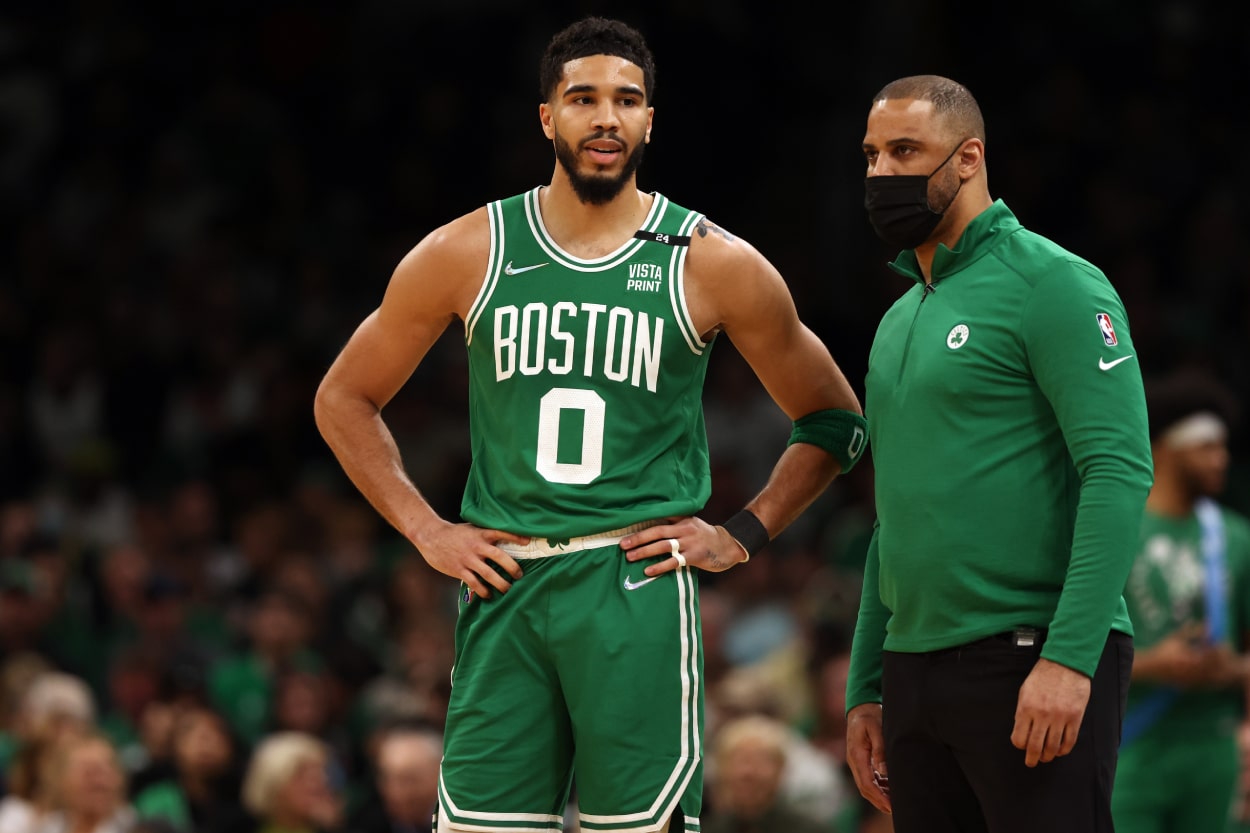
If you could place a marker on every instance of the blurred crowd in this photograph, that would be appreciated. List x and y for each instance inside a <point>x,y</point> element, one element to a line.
<point>202,625</point>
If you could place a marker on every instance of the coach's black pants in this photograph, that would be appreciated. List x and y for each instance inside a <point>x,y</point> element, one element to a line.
<point>948,717</point>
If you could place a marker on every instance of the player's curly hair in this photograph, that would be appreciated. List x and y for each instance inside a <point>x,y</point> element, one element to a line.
<point>1185,392</point>
<point>595,36</point>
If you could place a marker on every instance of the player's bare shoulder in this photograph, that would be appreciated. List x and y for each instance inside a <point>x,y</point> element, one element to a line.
<point>723,271</point>
<point>448,265</point>
<point>716,253</point>
<point>709,237</point>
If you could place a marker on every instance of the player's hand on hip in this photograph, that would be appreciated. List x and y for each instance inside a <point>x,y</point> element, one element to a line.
<point>470,554</point>
<point>865,753</point>
<point>1049,712</point>
<point>683,542</point>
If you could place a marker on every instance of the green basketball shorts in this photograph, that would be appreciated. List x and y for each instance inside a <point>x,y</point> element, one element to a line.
<point>586,670</point>
<point>1176,781</point>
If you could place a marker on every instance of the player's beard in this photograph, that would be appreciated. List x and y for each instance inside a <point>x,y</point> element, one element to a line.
<point>597,189</point>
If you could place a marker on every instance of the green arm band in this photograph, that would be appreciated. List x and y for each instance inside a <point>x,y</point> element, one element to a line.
<point>844,434</point>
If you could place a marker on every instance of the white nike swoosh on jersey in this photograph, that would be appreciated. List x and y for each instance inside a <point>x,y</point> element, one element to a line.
<point>1103,364</point>
<point>634,585</point>
<point>509,270</point>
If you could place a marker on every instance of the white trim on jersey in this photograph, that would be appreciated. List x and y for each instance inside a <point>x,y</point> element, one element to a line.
<point>677,289</point>
<point>495,212</point>
<point>543,238</point>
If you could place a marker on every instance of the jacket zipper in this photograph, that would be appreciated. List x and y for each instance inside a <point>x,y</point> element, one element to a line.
<point>928,290</point>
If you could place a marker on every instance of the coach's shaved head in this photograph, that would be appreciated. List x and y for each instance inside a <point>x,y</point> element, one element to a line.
<point>958,111</point>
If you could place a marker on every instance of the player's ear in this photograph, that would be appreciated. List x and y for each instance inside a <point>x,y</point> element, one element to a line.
<point>546,118</point>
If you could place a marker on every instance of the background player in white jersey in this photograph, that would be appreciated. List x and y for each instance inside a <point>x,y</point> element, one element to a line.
<point>589,308</point>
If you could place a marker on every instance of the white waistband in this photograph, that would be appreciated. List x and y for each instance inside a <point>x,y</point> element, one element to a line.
<point>545,547</point>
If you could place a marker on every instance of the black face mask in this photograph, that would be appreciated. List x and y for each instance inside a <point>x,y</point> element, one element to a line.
<point>898,206</point>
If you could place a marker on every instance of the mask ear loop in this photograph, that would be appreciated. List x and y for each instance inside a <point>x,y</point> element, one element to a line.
<point>958,147</point>
<point>949,203</point>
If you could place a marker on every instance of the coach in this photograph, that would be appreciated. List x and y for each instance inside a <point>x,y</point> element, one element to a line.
<point>993,649</point>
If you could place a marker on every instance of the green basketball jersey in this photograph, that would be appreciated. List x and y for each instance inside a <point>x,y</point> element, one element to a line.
<point>1167,590</point>
<point>585,380</point>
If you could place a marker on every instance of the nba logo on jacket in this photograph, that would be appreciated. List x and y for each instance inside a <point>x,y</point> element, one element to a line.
<point>1108,331</point>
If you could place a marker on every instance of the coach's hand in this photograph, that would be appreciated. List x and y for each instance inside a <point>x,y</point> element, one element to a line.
<point>1049,711</point>
<point>865,752</point>
<point>468,553</point>
<point>683,542</point>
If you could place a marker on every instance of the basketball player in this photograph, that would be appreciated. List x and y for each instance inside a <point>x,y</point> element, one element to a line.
<point>589,309</point>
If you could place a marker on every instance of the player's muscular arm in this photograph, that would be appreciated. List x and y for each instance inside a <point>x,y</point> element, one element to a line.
<point>432,287</point>
<point>732,287</point>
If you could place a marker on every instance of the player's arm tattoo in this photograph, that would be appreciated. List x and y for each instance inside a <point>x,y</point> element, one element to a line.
<point>705,225</point>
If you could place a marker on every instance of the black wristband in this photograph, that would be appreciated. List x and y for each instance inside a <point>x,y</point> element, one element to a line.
<point>748,531</point>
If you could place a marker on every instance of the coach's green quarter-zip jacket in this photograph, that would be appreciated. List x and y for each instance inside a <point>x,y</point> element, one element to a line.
<point>1011,453</point>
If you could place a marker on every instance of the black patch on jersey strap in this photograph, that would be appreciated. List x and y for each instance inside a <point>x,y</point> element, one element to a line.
<point>666,239</point>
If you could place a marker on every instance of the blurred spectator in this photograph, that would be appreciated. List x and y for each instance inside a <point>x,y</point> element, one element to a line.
<point>406,761</point>
<point>27,799</point>
<point>44,705</point>
<point>196,541</point>
<point>301,575</point>
<point>412,590</point>
<point>19,522</point>
<point>241,685</point>
<point>261,534</point>
<point>766,630</point>
<point>173,627</point>
<point>203,794</point>
<point>829,665</point>
<point>416,683</point>
<point>87,789</point>
<point>20,621</point>
<point>289,788</point>
<point>60,615</point>
<point>56,704</point>
<point>38,613</point>
<point>122,573</point>
<point>811,784</point>
<point>310,701</point>
<point>17,672</point>
<point>352,535</point>
<point>716,610</point>
<point>302,703</point>
<point>181,691</point>
<point>134,682</point>
<point>750,755</point>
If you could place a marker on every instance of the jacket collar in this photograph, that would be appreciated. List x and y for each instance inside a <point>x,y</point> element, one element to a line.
<point>985,231</point>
